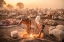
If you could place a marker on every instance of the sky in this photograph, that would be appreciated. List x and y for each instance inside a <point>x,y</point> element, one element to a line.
<point>38,3</point>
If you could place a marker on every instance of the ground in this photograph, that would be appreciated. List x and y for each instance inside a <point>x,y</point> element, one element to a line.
<point>5,33</point>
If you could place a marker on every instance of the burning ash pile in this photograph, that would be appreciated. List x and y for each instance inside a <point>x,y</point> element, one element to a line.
<point>24,34</point>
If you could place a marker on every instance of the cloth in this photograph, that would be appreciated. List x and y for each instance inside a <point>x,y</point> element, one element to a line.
<point>37,21</point>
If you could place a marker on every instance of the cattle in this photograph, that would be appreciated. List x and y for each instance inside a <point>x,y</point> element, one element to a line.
<point>57,31</point>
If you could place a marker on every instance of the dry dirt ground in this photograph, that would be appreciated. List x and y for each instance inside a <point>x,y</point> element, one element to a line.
<point>5,33</point>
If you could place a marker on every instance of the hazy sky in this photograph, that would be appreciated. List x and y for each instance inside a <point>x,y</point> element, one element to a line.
<point>39,3</point>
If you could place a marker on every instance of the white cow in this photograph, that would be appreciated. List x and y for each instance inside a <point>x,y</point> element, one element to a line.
<point>57,31</point>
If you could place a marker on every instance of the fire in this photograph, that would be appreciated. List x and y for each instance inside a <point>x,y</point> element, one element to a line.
<point>31,35</point>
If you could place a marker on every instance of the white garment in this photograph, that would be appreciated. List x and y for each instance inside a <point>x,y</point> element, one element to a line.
<point>37,19</point>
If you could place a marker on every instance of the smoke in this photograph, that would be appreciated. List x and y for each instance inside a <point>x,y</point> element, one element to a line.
<point>2,3</point>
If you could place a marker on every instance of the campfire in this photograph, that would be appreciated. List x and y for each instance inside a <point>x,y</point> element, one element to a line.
<point>31,35</point>
<point>26,35</point>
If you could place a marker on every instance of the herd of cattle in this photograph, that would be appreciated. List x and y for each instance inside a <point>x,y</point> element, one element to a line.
<point>14,17</point>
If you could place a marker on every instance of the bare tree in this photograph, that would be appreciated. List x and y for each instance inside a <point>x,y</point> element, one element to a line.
<point>2,2</point>
<point>20,5</point>
<point>10,6</point>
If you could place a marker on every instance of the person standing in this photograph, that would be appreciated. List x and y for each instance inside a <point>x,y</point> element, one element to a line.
<point>39,25</point>
<point>37,21</point>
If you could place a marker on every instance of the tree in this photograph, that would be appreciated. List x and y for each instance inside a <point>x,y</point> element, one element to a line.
<point>2,2</point>
<point>10,6</point>
<point>20,5</point>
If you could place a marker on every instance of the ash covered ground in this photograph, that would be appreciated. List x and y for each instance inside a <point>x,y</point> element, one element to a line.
<point>6,16</point>
<point>5,33</point>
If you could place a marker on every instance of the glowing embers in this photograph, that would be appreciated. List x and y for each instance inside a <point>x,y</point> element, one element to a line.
<point>31,36</point>
<point>28,36</point>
